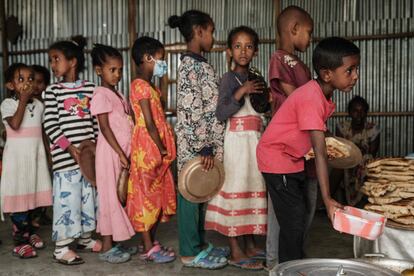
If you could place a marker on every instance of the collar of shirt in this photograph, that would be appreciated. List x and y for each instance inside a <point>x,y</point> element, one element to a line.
<point>71,85</point>
<point>194,56</point>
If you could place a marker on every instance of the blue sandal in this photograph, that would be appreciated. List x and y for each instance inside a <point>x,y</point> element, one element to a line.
<point>115,256</point>
<point>157,255</point>
<point>205,260</point>
<point>249,264</point>
<point>223,252</point>
<point>132,250</point>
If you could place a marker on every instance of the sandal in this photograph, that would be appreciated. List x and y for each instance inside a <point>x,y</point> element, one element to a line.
<point>94,246</point>
<point>168,249</point>
<point>260,255</point>
<point>249,264</point>
<point>206,261</point>
<point>131,250</point>
<point>68,257</point>
<point>36,241</point>
<point>157,255</point>
<point>24,251</point>
<point>115,256</point>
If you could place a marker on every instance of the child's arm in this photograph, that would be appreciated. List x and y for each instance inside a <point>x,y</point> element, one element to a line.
<point>16,120</point>
<point>321,160</point>
<point>286,88</point>
<point>110,138</point>
<point>150,124</point>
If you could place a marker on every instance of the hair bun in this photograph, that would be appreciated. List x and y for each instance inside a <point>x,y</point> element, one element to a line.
<point>79,40</point>
<point>174,21</point>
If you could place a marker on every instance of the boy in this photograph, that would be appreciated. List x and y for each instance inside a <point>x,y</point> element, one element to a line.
<point>286,73</point>
<point>299,125</point>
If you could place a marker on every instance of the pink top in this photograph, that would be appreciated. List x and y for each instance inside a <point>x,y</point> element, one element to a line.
<point>286,140</point>
<point>289,69</point>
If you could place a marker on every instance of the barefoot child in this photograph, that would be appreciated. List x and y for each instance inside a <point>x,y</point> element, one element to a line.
<point>68,122</point>
<point>112,151</point>
<point>286,73</point>
<point>151,192</point>
<point>24,152</point>
<point>198,132</point>
<point>239,210</point>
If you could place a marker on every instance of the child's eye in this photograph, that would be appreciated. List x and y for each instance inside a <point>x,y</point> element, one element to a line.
<point>249,46</point>
<point>236,46</point>
<point>20,79</point>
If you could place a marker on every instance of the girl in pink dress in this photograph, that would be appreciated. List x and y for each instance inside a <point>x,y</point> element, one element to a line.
<point>112,152</point>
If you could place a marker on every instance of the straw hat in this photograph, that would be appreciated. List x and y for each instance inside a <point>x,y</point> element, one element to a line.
<point>87,160</point>
<point>199,186</point>
<point>354,159</point>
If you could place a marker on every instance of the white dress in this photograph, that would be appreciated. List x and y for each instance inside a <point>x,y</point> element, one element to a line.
<point>25,179</point>
<point>240,208</point>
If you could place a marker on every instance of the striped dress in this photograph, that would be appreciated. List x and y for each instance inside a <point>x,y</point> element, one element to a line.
<point>68,119</point>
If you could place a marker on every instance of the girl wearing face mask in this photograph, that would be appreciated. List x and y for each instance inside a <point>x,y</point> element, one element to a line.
<point>151,195</point>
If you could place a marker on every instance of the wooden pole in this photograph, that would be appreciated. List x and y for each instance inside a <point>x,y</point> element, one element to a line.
<point>3,28</point>
<point>132,31</point>
<point>278,9</point>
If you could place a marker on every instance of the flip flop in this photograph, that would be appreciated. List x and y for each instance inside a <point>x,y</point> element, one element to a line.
<point>260,255</point>
<point>247,264</point>
<point>157,255</point>
<point>205,261</point>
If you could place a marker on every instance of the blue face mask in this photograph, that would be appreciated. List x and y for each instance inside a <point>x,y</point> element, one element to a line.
<point>160,68</point>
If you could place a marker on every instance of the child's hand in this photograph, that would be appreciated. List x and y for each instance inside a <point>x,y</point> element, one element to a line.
<point>208,162</point>
<point>253,86</point>
<point>331,206</point>
<point>124,161</point>
<point>26,92</point>
<point>74,152</point>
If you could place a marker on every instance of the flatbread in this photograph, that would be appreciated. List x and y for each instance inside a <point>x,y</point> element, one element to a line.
<point>409,173</point>
<point>390,209</point>
<point>334,148</point>
<point>394,168</point>
<point>406,194</point>
<point>407,220</point>
<point>382,200</point>
<point>373,164</point>
<point>378,180</point>
<point>397,177</point>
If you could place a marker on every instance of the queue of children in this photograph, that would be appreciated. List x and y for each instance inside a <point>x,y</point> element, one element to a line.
<point>266,190</point>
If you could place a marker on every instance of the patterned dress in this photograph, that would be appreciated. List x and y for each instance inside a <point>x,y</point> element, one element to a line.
<point>151,192</point>
<point>353,178</point>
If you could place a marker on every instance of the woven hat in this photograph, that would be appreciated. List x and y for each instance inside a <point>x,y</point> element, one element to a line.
<point>87,160</point>
<point>199,186</point>
<point>354,159</point>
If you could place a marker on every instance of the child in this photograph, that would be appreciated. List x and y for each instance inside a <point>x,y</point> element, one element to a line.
<point>151,193</point>
<point>240,207</point>
<point>297,126</point>
<point>112,151</point>
<point>198,131</point>
<point>24,152</point>
<point>68,122</point>
<point>40,82</point>
<point>286,73</point>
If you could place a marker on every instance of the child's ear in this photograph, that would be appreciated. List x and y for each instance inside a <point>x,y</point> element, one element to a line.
<point>147,58</point>
<point>10,86</point>
<point>325,75</point>
<point>98,70</point>
<point>73,63</point>
<point>228,51</point>
<point>295,28</point>
<point>255,52</point>
<point>198,31</point>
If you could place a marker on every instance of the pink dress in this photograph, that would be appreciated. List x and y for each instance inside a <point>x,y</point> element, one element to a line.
<point>112,219</point>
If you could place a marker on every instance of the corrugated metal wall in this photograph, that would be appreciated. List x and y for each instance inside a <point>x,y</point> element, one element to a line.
<point>386,64</point>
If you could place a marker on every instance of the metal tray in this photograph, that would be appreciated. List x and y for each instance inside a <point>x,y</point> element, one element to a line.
<point>329,267</point>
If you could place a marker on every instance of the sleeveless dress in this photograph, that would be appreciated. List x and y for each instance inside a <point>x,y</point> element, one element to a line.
<point>240,208</point>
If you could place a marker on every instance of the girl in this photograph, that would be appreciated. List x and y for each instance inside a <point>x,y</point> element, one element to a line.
<point>67,123</point>
<point>112,151</point>
<point>24,151</point>
<point>240,207</point>
<point>151,194</point>
<point>198,131</point>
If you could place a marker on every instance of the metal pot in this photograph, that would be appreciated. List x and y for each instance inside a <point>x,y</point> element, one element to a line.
<point>382,260</point>
<point>329,267</point>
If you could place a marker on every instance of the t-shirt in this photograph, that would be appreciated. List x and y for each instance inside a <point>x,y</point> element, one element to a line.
<point>289,69</point>
<point>287,139</point>
<point>68,120</point>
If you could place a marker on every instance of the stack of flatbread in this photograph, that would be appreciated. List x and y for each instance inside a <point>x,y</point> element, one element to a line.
<point>335,149</point>
<point>390,188</point>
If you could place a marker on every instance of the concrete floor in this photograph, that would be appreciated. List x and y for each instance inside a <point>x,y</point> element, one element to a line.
<point>324,242</point>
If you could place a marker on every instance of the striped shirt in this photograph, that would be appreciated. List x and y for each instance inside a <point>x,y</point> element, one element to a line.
<point>67,118</point>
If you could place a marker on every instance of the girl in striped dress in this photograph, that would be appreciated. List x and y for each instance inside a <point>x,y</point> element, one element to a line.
<point>24,152</point>
<point>68,122</point>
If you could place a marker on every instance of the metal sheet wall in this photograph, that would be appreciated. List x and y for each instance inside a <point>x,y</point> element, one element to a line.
<point>386,65</point>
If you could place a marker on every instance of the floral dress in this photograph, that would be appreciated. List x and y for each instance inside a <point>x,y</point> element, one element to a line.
<point>151,192</point>
<point>353,178</point>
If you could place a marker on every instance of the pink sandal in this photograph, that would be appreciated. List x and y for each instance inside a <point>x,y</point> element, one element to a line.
<point>157,255</point>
